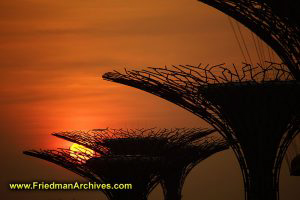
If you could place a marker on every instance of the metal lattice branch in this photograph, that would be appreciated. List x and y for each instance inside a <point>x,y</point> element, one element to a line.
<point>192,77</point>
<point>278,32</point>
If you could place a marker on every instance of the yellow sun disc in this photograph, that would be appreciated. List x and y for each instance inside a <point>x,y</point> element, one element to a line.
<point>79,148</point>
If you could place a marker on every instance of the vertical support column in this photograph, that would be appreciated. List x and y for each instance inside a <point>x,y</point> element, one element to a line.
<point>172,183</point>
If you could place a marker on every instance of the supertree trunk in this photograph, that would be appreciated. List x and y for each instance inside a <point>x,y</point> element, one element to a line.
<point>262,186</point>
<point>172,183</point>
<point>263,118</point>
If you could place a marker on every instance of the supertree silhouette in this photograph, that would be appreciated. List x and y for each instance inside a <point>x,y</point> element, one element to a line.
<point>180,149</point>
<point>140,171</point>
<point>255,106</point>
<point>275,22</point>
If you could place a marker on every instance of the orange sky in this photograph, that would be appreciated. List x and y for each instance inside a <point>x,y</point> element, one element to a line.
<point>52,56</point>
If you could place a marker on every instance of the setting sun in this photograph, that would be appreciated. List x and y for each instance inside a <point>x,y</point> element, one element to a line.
<point>79,148</point>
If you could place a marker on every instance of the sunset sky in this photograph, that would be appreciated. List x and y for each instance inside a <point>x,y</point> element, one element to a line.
<point>52,57</point>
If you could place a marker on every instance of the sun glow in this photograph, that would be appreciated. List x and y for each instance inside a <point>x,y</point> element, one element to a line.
<point>77,149</point>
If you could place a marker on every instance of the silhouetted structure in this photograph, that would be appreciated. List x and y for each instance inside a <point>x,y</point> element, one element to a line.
<point>275,22</point>
<point>140,171</point>
<point>149,142</point>
<point>293,156</point>
<point>181,160</point>
<point>180,149</point>
<point>258,107</point>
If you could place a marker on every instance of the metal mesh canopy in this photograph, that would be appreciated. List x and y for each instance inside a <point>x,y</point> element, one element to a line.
<point>151,141</point>
<point>275,22</point>
<point>257,106</point>
<point>180,149</point>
